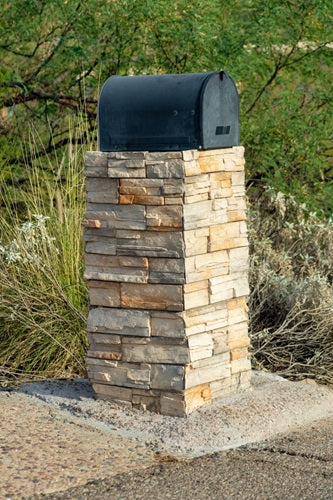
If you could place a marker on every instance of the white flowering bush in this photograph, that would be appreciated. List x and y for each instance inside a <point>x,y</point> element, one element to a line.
<point>291,278</point>
<point>25,247</point>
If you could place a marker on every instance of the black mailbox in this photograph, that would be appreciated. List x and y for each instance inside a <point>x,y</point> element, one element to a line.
<point>168,112</point>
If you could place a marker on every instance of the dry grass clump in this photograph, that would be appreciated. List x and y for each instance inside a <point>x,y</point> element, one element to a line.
<point>42,291</point>
<point>291,300</point>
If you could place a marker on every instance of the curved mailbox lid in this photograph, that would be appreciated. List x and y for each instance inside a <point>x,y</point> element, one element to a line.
<point>156,112</point>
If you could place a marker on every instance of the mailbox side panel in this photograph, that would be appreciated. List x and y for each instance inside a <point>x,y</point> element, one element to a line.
<point>219,112</point>
<point>151,113</point>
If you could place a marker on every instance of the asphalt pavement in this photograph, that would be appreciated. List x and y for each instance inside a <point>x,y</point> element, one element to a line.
<point>298,465</point>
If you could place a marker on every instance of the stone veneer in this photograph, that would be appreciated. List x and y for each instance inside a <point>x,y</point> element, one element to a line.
<point>166,264</point>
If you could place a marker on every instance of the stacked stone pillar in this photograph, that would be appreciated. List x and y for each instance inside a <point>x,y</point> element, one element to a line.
<point>166,264</point>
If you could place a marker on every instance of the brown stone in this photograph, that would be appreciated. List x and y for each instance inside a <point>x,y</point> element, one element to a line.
<point>91,223</point>
<point>131,199</point>
<point>104,293</point>
<point>164,217</point>
<point>151,296</point>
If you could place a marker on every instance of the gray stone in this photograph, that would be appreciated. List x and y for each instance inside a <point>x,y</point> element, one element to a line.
<point>118,216</point>
<point>158,155</point>
<point>126,155</point>
<point>112,392</point>
<point>126,275</point>
<point>119,375</point>
<point>168,169</point>
<point>172,404</point>
<point>102,190</point>
<point>165,324</point>
<point>150,243</point>
<point>150,353</point>
<point>102,338</point>
<point>105,246</point>
<point>173,187</point>
<point>167,265</point>
<point>167,278</point>
<point>90,234</point>
<point>119,321</point>
<point>96,159</point>
<point>124,172</point>
<point>167,377</point>
<point>106,262</point>
<point>96,172</point>
<point>127,164</point>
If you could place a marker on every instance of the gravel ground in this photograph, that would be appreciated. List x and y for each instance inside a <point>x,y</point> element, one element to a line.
<point>273,406</point>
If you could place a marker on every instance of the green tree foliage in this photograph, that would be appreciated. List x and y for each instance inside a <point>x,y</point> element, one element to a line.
<point>55,54</point>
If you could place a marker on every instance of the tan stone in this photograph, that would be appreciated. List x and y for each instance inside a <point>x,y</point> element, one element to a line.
<point>201,346</point>
<point>240,365</point>
<point>195,286</point>
<point>239,353</point>
<point>220,204</point>
<point>238,178</point>
<point>211,260</point>
<point>192,168</point>
<point>197,214</point>
<point>205,374</point>
<point>196,299</point>
<point>191,154</point>
<point>225,243</point>
<point>196,241</point>
<point>211,163</point>
<point>197,396</point>
<point>236,215</point>
<point>195,198</point>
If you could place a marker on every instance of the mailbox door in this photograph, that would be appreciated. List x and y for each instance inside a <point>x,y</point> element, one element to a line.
<point>220,112</point>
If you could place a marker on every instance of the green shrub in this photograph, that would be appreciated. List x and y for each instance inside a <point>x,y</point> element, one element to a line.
<point>43,294</point>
